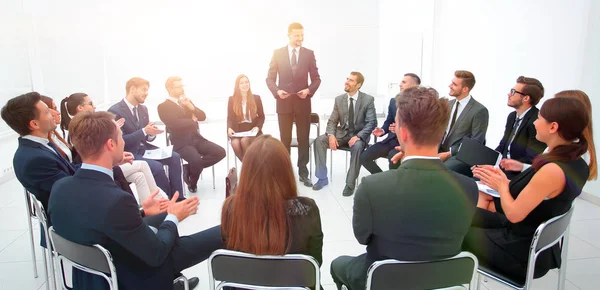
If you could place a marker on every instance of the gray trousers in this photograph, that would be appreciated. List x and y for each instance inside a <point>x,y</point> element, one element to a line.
<point>321,146</point>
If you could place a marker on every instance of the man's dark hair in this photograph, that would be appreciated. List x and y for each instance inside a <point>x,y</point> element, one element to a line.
<point>424,114</point>
<point>20,111</point>
<point>415,78</point>
<point>533,88</point>
<point>467,77</point>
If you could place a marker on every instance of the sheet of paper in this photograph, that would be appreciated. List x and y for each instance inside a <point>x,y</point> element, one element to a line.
<point>159,153</point>
<point>487,190</point>
<point>250,133</point>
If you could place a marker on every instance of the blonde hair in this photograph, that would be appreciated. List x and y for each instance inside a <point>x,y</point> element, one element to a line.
<point>170,81</point>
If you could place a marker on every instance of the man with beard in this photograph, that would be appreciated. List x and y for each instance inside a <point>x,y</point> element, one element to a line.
<point>351,123</point>
<point>138,131</point>
<point>519,142</point>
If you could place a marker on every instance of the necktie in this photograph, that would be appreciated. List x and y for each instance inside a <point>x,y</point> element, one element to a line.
<point>351,116</point>
<point>135,116</point>
<point>444,147</point>
<point>454,117</point>
<point>294,61</point>
<point>65,161</point>
<point>513,133</point>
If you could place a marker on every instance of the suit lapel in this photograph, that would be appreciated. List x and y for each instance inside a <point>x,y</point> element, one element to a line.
<point>463,115</point>
<point>66,164</point>
<point>285,59</point>
<point>128,115</point>
<point>344,109</point>
<point>526,118</point>
<point>358,105</point>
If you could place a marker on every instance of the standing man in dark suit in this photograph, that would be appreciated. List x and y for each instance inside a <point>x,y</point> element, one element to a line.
<point>385,148</point>
<point>351,123</point>
<point>468,118</point>
<point>293,64</point>
<point>393,209</point>
<point>519,142</point>
<point>88,208</point>
<point>181,119</point>
<point>138,131</point>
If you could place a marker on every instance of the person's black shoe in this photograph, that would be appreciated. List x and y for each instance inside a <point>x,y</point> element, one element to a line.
<point>193,189</point>
<point>186,174</point>
<point>192,282</point>
<point>306,181</point>
<point>348,191</point>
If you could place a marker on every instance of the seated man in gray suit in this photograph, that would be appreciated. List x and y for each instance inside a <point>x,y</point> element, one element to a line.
<point>351,123</point>
<point>421,211</point>
<point>468,118</point>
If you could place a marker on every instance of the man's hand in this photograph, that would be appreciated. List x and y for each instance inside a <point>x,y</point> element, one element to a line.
<point>353,140</point>
<point>444,156</point>
<point>392,128</point>
<point>511,165</point>
<point>378,132</point>
<point>121,122</point>
<point>153,206</point>
<point>194,118</point>
<point>283,94</point>
<point>333,143</point>
<point>184,101</point>
<point>152,130</point>
<point>396,158</point>
<point>127,158</point>
<point>303,93</point>
<point>230,132</point>
<point>184,208</point>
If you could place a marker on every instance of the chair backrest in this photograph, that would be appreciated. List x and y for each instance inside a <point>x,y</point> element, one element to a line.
<point>38,212</point>
<point>31,210</point>
<point>454,271</point>
<point>92,259</point>
<point>244,270</point>
<point>551,231</point>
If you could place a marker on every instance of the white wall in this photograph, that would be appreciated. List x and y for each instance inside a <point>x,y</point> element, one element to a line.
<point>501,40</point>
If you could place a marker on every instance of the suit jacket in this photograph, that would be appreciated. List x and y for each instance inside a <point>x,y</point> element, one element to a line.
<point>421,211</point>
<point>88,208</point>
<point>292,83</point>
<point>525,147</point>
<point>233,121</point>
<point>472,123</point>
<point>135,140</point>
<point>179,123</point>
<point>391,118</point>
<point>37,169</point>
<point>365,118</point>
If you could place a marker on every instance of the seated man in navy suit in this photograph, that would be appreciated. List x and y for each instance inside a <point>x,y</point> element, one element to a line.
<point>88,208</point>
<point>138,131</point>
<point>385,148</point>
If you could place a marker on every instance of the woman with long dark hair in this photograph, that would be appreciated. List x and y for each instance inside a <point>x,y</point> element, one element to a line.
<point>64,148</point>
<point>244,113</point>
<point>138,172</point>
<point>266,216</point>
<point>503,228</point>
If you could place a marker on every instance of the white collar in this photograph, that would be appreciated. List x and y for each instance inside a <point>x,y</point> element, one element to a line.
<point>355,97</point>
<point>174,100</point>
<point>129,104</point>
<point>419,157</point>
<point>465,100</point>
<point>290,49</point>
<point>98,168</point>
<point>524,113</point>
<point>43,141</point>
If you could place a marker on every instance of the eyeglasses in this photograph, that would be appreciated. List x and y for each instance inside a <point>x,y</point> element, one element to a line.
<point>90,103</point>
<point>513,91</point>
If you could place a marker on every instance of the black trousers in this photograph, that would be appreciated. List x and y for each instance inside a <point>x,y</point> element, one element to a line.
<point>378,150</point>
<point>350,271</point>
<point>286,122</point>
<point>200,155</point>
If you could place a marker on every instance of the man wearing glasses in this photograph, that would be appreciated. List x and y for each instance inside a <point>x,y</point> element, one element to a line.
<point>519,143</point>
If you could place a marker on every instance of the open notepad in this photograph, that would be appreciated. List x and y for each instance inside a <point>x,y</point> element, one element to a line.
<point>159,153</point>
<point>250,133</point>
<point>488,190</point>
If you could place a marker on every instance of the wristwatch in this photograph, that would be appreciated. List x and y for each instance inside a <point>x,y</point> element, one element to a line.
<point>142,212</point>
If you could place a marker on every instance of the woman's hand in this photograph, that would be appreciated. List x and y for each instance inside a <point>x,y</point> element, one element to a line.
<point>230,132</point>
<point>511,165</point>
<point>491,176</point>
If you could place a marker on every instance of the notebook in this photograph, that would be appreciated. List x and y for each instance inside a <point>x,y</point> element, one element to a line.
<point>473,153</point>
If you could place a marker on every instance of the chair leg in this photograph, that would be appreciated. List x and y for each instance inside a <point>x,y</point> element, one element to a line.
<point>227,156</point>
<point>309,162</point>
<point>46,274</point>
<point>562,271</point>
<point>330,165</point>
<point>52,269</point>
<point>346,162</point>
<point>213,170</point>
<point>478,281</point>
<point>35,273</point>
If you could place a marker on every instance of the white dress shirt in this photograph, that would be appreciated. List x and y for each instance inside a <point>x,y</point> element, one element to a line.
<point>40,140</point>
<point>419,157</point>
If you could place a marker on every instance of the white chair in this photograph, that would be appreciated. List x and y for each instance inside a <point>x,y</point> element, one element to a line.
<point>40,214</point>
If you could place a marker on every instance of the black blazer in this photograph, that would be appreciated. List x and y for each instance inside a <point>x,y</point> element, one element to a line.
<point>391,118</point>
<point>179,123</point>
<point>135,140</point>
<point>524,147</point>
<point>88,208</point>
<point>233,121</point>
<point>421,211</point>
<point>37,169</point>
<point>280,66</point>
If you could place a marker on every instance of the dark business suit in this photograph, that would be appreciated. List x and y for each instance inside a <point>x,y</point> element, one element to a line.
<point>137,143</point>
<point>120,179</point>
<point>381,148</point>
<point>187,141</point>
<point>293,108</point>
<point>421,211</point>
<point>88,208</point>
<point>524,147</point>
<point>234,122</point>
<point>472,123</point>
<point>365,120</point>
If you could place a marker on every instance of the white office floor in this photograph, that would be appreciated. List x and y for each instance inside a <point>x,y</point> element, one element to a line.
<point>16,270</point>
